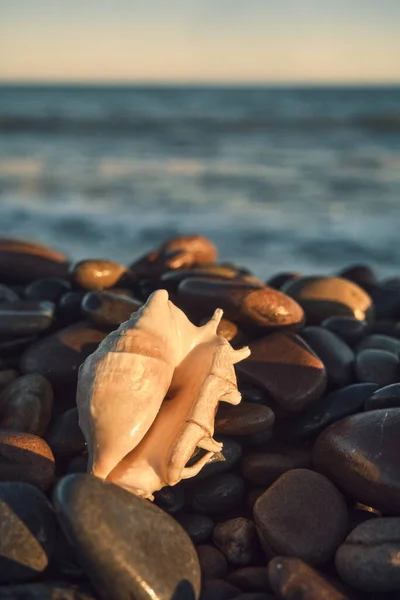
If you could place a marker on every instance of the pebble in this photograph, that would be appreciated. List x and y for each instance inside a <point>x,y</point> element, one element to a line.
<point>198,527</point>
<point>323,297</point>
<point>59,355</point>
<point>218,589</point>
<point>69,306</point>
<point>329,409</point>
<point>78,464</point>
<point>286,368</point>
<point>151,557</point>
<point>243,419</point>
<point>47,591</point>
<point>28,530</point>
<point>217,494</point>
<point>377,366</point>
<point>263,468</point>
<point>26,404</point>
<point>278,281</point>
<point>25,317</point>
<point>252,394</point>
<point>237,540</point>
<point>23,262</point>
<point>26,457</point>
<point>360,454</point>
<point>50,289</point>
<point>98,274</point>
<point>302,514</point>
<point>171,279</point>
<point>212,562</point>
<point>362,275</point>
<point>170,499</point>
<point>369,557</point>
<point>380,342</point>
<point>243,303</point>
<point>231,332</point>
<point>333,352</point>
<point>222,461</point>
<point>293,579</point>
<point>7,294</point>
<point>385,397</point>
<point>250,579</point>
<point>11,348</point>
<point>386,301</point>
<point>255,596</point>
<point>65,437</point>
<point>107,309</point>
<point>6,377</point>
<point>349,329</point>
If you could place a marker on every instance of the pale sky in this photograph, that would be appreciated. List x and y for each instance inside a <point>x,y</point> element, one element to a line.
<point>211,41</point>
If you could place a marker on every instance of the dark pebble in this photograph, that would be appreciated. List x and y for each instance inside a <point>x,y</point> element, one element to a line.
<point>218,589</point>
<point>98,274</point>
<point>243,419</point>
<point>198,527</point>
<point>25,317</point>
<point>386,301</point>
<point>265,468</point>
<point>78,464</point>
<point>170,499</point>
<point>250,579</point>
<point>336,355</point>
<point>26,404</point>
<point>349,329</point>
<point>69,306</point>
<point>23,262</point>
<point>362,275</point>
<point>217,494</point>
<point>377,366</point>
<point>237,540</point>
<point>278,281</point>
<point>107,309</point>
<point>369,557</point>
<point>302,514</point>
<point>252,394</point>
<point>137,551</point>
<point>47,289</point>
<point>6,377</point>
<point>12,347</point>
<point>361,455</point>
<point>380,342</point>
<point>65,437</point>
<point>212,562</point>
<point>26,457</point>
<point>257,441</point>
<point>47,591</point>
<point>386,397</point>
<point>384,327</point>
<point>28,529</point>
<point>7,294</point>
<point>222,461</point>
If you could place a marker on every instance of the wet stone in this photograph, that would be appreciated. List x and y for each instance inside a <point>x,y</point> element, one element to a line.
<point>256,440</point>
<point>65,437</point>
<point>198,527</point>
<point>7,294</point>
<point>336,355</point>
<point>243,419</point>
<point>360,454</point>
<point>151,556</point>
<point>250,579</point>
<point>98,274</point>
<point>25,317</point>
<point>384,327</point>
<point>362,275</point>
<point>231,332</point>
<point>212,562</point>
<point>386,301</point>
<point>264,468</point>
<point>108,309</point>
<point>170,499</point>
<point>349,329</point>
<point>278,281</point>
<point>28,529</point>
<point>47,289</point>
<point>218,589</point>
<point>26,404</point>
<point>302,514</point>
<point>369,557</point>
<point>217,494</point>
<point>377,366</point>
<point>237,540</point>
<point>69,306</point>
<point>22,262</point>
<point>323,297</point>
<point>286,369</point>
<point>380,342</point>
<point>252,394</point>
<point>223,461</point>
<point>293,579</point>
<point>26,457</point>
<point>6,377</point>
<point>385,397</point>
<point>47,591</point>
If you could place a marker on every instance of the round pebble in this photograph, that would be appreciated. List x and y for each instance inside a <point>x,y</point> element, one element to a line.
<point>380,342</point>
<point>265,468</point>
<point>69,306</point>
<point>198,527</point>
<point>349,329</point>
<point>237,540</point>
<point>25,317</point>
<point>362,275</point>
<point>23,262</point>
<point>170,499</point>
<point>47,289</point>
<point>250,579</point>
<point>385,397</point>
<point>65,437</point>
<point>26,457</point>
<point>243,419</point>
<point>217,494</point>
<point>26,404</point>
<point>377,366</point>
<point>98,274</point>
<point>212,562</point>
<point>107,309</point>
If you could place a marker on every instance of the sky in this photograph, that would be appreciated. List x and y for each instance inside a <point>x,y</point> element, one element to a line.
<point>200,41</point>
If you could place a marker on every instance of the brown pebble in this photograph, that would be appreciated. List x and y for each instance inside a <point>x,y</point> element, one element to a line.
<point>218,589</point>
<point>237,540</point>
<point>26,404</point>
<point>212,562</point>
<point>107,309</point>
<point>6,377</point>
<point>98,274</point>
<point>287,369</point>
<point>26,457</point>
<point>65,437</point>
<point>250,579</point>
<point>264,468</point>
<point>244,419</point>
<point>23,262</point>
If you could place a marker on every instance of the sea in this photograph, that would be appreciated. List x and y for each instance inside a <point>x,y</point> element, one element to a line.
<point>281,178</point>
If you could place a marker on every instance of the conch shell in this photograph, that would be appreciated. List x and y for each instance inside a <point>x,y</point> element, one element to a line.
<point>148,395</point>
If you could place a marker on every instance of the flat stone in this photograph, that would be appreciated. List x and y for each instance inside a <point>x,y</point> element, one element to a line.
<point>107,309</point>
<point>28,529</point>
<point>377,366</point>
<point>26,404</point>
<point>349,329</point>
<point>26,457</point>
<point>237,540</point>
<point>59,356</point>
<point>7,294</point>
<point>369,557</point>
<point>323,297</point>
<point>217,494</point>
<point>218,589</point>
<point>65,437</point>
<point>152,556</point>
<point>336,355</point>
<point>293,579</point>
<point>385,397</point>
<point>243,419</point>
<point>25,317</point>
<point>380,342</point>
<point>302,514</point>
<point>243,303</point>
<point>212,562</point>
<point>6,377</point>
<point>50,289</point>
<point>263,468</point>
<point>286,368</point>
<point>360,454</point>
<point>99,274</point>
<point>198,527</point>
<point>250,579</point>
<point>22,262</point>
<point>46,591</point>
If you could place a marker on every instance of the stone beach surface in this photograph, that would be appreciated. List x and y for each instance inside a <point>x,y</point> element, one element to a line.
<point>302,502</point>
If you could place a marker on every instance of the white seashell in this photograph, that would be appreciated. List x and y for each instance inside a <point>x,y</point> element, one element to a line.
<point>148,396</point>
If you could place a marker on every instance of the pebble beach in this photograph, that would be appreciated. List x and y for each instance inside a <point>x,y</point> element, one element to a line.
<point>303,501</point>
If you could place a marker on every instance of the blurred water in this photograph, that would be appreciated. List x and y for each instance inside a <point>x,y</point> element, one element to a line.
<point>300,179</point>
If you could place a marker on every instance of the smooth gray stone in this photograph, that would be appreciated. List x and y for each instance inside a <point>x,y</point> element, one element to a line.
<point>128,547</point>
<point>377,366</point>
